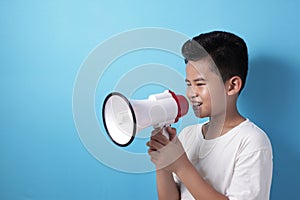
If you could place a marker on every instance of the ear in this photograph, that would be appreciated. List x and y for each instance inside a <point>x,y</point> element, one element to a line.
<point>233,85</point>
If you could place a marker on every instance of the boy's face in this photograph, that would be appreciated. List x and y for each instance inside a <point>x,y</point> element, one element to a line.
<point>205,88</point>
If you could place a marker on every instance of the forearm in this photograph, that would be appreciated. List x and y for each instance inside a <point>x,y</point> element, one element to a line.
<point>196,185</point>
<point>166,186</point>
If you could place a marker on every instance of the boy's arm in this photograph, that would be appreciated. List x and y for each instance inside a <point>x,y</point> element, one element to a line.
<point>169,156</point>
<point>166,186</point>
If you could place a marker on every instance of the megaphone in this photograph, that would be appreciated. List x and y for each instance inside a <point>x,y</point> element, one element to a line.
<point>124,118</point>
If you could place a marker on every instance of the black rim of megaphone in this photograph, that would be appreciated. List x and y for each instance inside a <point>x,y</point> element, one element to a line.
<point>133,117</point>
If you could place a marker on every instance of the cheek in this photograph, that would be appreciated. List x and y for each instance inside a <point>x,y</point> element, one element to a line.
<point>217,99</point>
<point>218,93</point>
<point>204,93</point>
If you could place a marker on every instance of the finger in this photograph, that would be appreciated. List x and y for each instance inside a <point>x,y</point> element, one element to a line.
<point>148,144</point>
<point>156,131</point>
<point>150,151</point>
<point>172,132</point>
<point>155,161</point>
<point>150,147</point>
<point>155,145</point>
<point>160,138</point>
<point>154,155</point>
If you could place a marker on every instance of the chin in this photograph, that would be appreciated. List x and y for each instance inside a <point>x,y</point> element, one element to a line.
<point>201,115</point>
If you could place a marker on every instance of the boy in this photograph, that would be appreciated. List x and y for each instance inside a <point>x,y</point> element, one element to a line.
<point>228,157</point>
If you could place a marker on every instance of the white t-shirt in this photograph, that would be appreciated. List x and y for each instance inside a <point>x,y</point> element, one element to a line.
<point>237,164</point>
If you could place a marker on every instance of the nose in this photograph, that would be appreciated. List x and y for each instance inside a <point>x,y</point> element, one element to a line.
<point>191,92</point>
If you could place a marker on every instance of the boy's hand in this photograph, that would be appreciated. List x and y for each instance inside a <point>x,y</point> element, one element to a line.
<point>166,154</point>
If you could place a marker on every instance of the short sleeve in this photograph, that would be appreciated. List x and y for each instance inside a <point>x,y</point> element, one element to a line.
<point>252,176</point>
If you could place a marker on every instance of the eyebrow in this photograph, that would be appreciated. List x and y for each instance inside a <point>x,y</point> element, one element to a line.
<point>196,80</point>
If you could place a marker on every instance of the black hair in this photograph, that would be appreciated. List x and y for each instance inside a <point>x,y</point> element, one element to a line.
<point>228,51</point>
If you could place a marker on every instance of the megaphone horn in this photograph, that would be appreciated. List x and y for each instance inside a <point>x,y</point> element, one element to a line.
<point>124,118</point>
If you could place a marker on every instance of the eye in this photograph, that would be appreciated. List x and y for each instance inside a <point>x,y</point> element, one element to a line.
<point>200,84</point>
<point>188,84</point>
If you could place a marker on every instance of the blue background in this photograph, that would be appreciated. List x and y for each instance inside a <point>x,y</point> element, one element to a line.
<point>43,44</point>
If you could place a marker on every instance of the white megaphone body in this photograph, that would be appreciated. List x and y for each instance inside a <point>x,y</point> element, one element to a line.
<point>124,118</point>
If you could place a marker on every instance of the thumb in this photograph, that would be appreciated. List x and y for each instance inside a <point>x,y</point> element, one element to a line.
<point>172,132</point>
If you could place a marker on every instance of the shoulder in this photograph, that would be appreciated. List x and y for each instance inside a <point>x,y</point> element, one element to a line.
<point>252,138</point>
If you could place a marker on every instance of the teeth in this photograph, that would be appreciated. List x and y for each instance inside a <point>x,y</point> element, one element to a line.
<point>197,104</point>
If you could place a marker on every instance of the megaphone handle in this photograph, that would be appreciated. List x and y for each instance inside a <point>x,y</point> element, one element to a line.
<point>165,132</point>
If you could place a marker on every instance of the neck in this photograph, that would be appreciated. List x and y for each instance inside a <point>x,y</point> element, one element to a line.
<point>220,124</point>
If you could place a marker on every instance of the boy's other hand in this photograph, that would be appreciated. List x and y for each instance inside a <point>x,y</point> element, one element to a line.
<point>166,154</point>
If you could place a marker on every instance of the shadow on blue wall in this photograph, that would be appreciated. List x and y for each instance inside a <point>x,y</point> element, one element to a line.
<point>270,99</point>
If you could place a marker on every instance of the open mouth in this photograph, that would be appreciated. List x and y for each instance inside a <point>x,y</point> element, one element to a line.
<point>196,105</point>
